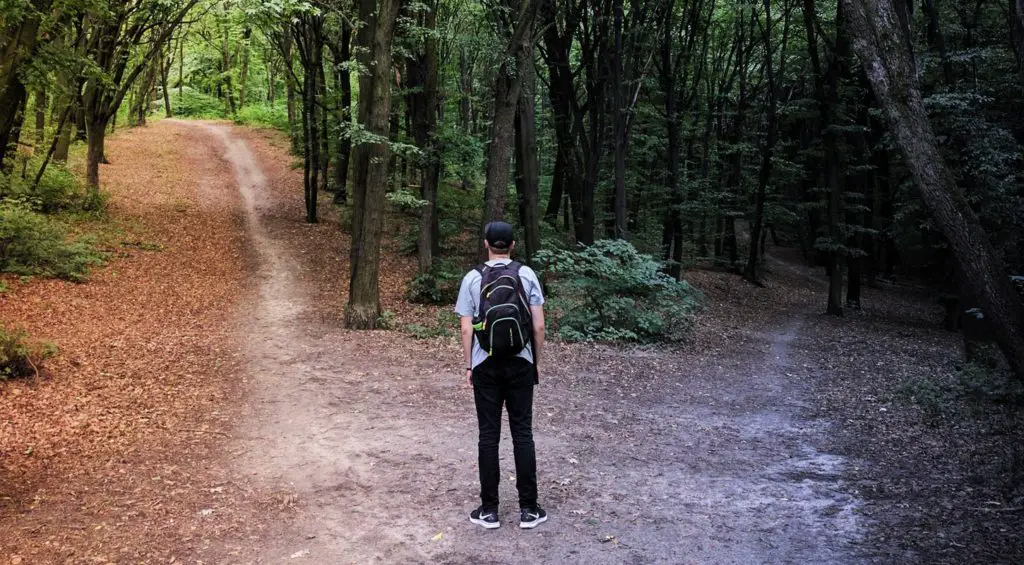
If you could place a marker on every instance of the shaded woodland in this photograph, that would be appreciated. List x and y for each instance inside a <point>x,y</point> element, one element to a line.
<point>882,138</point>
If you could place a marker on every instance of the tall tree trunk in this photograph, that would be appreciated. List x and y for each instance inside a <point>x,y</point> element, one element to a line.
<point>243,73</point>
<point>672,223</point>
<point>772,127</point>
<point>225,55</point>
<point>883,45</point>
<point>371,163</point>
<point>40,117</point>
<point>18,46</point>
<point>506,98</point>
<point>325,143</point>
<point>96,131</point>
<point>344,145</point>
<point>165,69</point>
<point>289,85</point>
<point>422,105</point>
<point>527,168</point>
<point>60,153</point>
<point>557,188</point>
<point>1017,31</point>
<point>620,206</point>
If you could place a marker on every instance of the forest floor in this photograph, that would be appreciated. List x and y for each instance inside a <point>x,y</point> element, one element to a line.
<point>207,407</point>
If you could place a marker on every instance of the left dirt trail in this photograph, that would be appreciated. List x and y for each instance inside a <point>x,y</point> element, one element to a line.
<point>124,439</point>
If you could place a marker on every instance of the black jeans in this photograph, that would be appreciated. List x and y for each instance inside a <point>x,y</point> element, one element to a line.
<point>509,382</point>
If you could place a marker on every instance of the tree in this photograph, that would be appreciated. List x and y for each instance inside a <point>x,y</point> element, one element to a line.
<point>423,102</point>
<point>882,42</point>
<point>371,162</point>
<point>507,84</point>
<point>114,35</point>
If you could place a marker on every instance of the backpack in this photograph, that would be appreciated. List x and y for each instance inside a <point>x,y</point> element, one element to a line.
<point>504,325</point>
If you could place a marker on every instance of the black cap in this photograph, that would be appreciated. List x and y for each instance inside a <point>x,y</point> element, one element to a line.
<point>499,235</point>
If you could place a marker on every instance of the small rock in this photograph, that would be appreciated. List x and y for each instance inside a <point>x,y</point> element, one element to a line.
<point>298,554</point>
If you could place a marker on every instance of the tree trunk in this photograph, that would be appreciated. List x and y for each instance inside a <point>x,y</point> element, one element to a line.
<point>289,86</point>
<point>671,238</point>
<point>40,117</point>
<point>368,191</point>
<point>883,45</point>
<point>226,71</point>
<point>506,98</point>
<point>243,73</point>
<point>325,138</point>
<point>60,153</point>
<point>18,46</point>
<point>344,145</point>
<point>165,69</point>
<point>422,109</point>
<point>96,131</point>
<point>527,168</point>
<point>619,205</point>
<point>557,188</point>
<point>772,126</point>
<point>1017,31</point>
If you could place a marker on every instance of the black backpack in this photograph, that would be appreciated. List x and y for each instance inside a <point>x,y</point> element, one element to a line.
<point>504,325</point>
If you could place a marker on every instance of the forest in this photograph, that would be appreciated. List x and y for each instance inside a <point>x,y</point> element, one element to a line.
<point>636,145</point>
<point>883,139</point>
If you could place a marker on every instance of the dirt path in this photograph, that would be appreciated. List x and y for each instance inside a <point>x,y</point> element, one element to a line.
<point>644,456</point>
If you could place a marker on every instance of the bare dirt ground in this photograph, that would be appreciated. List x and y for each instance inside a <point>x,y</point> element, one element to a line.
<point>761,441</point>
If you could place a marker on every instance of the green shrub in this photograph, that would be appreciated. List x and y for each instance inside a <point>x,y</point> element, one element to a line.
<point>33,244</point>
<point>58,190</point>
<point>386,320</point>
<point>611,292</point>
<point>439,286</point>
<point>268,116</point>
<point>445,325</point>
<point>195,104</point>
<point>19,356</point>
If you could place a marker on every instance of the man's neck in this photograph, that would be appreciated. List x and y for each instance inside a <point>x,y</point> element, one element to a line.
<point>491,256</point>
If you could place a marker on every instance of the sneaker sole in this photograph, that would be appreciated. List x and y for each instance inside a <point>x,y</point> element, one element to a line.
<point>533,524</point>
<point>487,525</point>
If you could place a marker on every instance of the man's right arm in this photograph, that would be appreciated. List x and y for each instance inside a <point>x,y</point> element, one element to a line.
<point>537,313</point>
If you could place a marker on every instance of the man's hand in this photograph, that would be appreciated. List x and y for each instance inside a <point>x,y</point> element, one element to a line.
<point>469,378</point>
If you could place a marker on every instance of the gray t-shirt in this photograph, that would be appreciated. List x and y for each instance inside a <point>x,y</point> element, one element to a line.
<point>468,303</point>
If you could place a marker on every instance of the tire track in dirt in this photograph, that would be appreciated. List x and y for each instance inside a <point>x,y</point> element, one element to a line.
<point>644,456</point>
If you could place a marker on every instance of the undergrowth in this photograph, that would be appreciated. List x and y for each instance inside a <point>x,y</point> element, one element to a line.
<point>611,292</point>
<point>21,356</point>
<point>34,240</point>
<point>972,387</point>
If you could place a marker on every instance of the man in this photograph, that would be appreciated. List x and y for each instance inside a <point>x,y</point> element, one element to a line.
<point>498,379</point>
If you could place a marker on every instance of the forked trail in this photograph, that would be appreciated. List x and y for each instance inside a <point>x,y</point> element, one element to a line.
<point>699,456</point>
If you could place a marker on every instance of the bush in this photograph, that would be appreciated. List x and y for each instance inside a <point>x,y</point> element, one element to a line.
<point>32,244</point>
<point>195,104</point>
<point>269,116</point>
<point>58,190</point>
<point>445,325</point>
<point>611,292</point>
<point>20,357</point>
<point>439,286</point>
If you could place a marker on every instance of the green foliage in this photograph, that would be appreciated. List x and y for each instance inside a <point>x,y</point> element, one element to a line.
<point>33,244</point>
<point>265,116</point>
<point>972,386</point>
<point>20,356</point>
<point>611,292</point>
<point>195,104</point>
<point>445,325</point>
<point>386,320</point>
<point>406,201</point>
<point>439,286</point>
<point>59,190</point>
